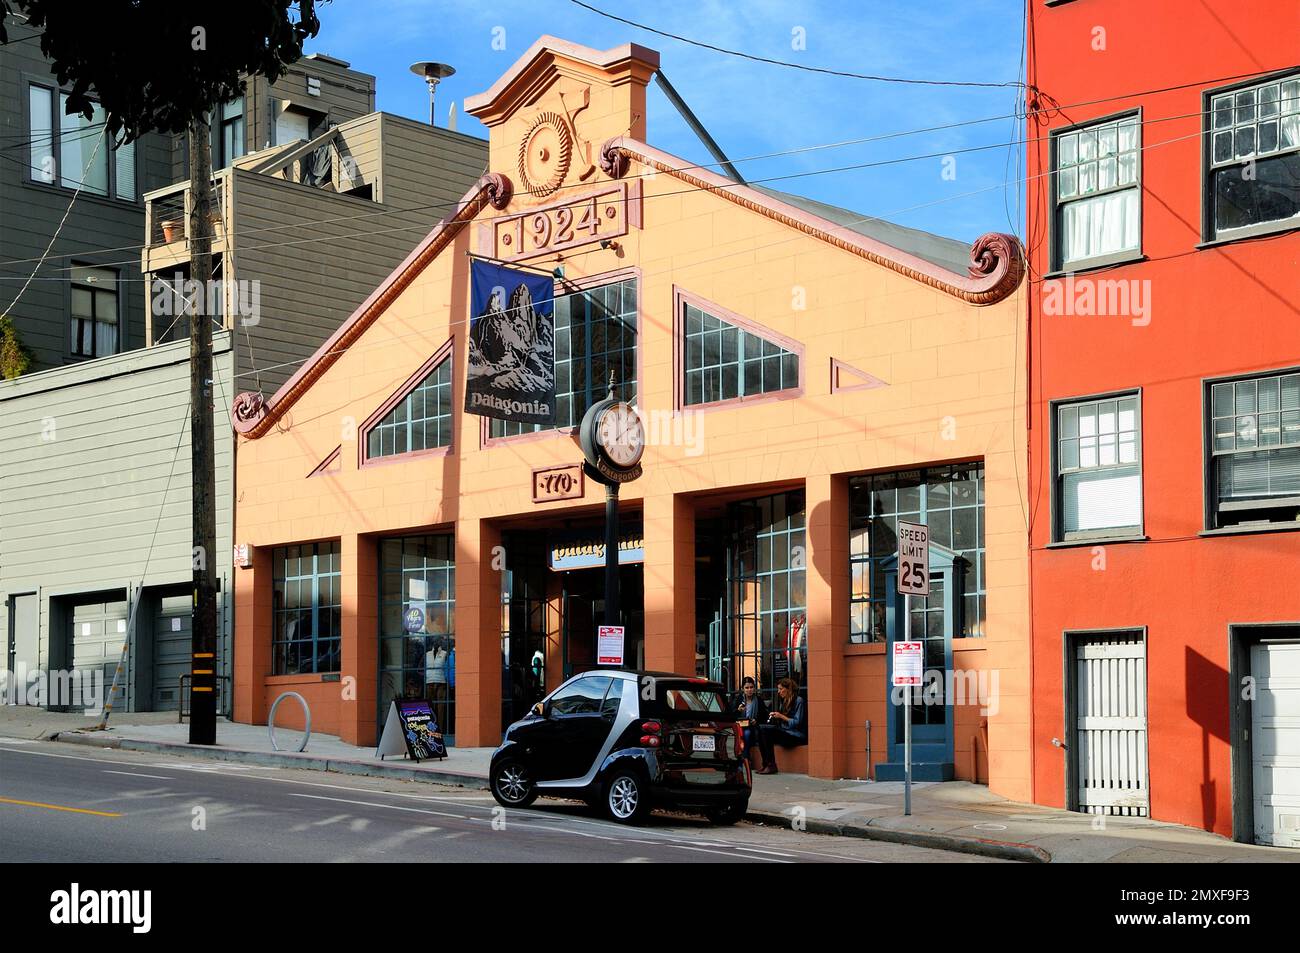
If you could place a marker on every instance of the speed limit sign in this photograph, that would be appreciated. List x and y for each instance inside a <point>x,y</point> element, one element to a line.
<point>913,559</point>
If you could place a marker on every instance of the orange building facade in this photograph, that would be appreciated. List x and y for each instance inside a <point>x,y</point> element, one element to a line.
<point>1164,227</point>
<point>804,382</point>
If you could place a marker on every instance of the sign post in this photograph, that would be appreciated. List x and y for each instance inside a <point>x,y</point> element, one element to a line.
<point>909,664</point>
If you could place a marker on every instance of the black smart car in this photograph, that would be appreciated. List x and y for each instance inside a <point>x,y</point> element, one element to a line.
<point>626,742</point>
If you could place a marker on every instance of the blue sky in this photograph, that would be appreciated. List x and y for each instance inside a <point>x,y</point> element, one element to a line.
<point>751,108</point>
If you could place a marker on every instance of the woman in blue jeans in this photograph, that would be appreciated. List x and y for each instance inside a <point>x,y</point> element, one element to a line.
<point>787,727</point>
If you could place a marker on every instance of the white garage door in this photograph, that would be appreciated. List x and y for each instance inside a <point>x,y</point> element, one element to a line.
<point>1275,742</point>
<point>1111,731</point>
<point>98,633</point>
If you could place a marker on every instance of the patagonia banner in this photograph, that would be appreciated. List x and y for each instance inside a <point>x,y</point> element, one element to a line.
<point>511,366</point>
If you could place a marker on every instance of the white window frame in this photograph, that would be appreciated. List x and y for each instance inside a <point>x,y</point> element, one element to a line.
<point>1216,126</point>
<point>1060,470</point>
<point>1064,195</point>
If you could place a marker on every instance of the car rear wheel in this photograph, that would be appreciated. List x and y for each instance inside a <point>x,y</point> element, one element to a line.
<point>626,798</point>
<point>512,784</point>
<point>727,813</point>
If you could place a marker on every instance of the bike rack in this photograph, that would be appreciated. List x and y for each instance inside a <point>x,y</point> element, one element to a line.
<point>270,720</point>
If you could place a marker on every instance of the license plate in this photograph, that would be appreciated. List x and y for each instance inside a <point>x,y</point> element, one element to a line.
<point>708,776</point>
<point>702,743</point>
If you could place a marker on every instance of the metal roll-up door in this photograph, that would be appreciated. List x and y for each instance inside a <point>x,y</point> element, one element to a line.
<point>171,650</point>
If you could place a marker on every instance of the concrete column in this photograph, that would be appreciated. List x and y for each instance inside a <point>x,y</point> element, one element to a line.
<point>669,584</point>
<point>478,633</point>
<point>254,602</point>
<point>360,672</point>
<point>827,520</point>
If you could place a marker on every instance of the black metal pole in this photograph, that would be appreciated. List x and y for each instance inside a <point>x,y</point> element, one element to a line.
<point>611,554</point>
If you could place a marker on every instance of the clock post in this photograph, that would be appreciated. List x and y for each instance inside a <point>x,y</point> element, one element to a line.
<point>613,441</point>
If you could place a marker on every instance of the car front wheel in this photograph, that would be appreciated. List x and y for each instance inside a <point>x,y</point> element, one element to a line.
<point>512,784</point>
<point>626,798</point>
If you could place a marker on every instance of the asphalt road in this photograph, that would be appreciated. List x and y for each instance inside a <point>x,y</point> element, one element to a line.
<point>75,804</point>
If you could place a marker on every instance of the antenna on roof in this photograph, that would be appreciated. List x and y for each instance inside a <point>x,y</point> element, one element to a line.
<point>451,118</point>
<point>433,74</point>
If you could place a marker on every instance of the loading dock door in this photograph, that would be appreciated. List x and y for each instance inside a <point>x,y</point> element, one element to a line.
<point>98,633</point>
<point>1275,742</point>
<point>1110,739</point>
<point>171,650</point>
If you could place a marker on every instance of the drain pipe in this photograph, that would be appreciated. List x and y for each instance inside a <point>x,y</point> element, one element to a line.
<point>867,775</point>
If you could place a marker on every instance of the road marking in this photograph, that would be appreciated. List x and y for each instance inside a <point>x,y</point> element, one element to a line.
<point>723,853</point>
<point>136,774</point>
<point>17,741</point>
<point>391,807</point>
<point>755,850</point>
<point>57,807</point>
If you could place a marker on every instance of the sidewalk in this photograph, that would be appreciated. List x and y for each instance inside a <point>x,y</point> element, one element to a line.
<point>951,816</point>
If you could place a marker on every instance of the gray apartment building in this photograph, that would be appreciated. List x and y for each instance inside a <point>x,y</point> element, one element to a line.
<point>319,197</point>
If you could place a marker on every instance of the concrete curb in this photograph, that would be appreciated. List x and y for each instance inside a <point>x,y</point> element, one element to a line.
<point>1002,850</point>
<point>272,759</point>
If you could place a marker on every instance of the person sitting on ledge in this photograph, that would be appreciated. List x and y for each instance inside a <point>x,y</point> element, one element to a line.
<point>751,712</point>
<point>787,724</point>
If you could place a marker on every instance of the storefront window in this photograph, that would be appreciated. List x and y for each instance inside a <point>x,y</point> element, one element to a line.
<point>307,607</point>
<point>766,622</point>
<point>417,632</point>
<point>950,500</point>
<point>595,333</point>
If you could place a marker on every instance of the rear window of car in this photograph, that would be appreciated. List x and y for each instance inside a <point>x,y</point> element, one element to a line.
<point>694,699</point>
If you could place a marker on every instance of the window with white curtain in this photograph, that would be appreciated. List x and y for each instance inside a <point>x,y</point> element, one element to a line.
<point>1255,450</point>
<point>1098,192</point>
<point>93,312</point>
<point>1254,151</point>
<point>1099,467</point>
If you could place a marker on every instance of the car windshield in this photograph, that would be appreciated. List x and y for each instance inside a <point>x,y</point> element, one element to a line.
<point>694,699</point>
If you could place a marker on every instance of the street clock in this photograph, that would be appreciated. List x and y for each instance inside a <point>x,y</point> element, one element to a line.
<point>613,440</point>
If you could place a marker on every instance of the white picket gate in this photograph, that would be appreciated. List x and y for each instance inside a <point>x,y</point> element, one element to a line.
<point>1111,728</point>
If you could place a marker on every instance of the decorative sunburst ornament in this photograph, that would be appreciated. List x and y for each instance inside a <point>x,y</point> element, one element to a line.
<point>544,154</point>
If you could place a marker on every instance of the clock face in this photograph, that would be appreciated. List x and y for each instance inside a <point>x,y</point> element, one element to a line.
<point>621,435</point>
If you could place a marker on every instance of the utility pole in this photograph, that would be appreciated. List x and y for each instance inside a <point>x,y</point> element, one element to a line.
<point>203,640</point>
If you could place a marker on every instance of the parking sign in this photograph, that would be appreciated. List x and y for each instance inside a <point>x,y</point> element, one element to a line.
<point>913,559</point>
<point>907,663</point>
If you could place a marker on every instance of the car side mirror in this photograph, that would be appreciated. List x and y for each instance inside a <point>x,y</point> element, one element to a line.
<point>542,710</point>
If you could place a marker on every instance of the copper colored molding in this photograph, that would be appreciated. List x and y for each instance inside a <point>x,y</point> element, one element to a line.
<point>252,415</point>
<point>997,261</point>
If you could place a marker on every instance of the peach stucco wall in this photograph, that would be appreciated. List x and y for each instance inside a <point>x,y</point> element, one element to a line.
<point>955,392</point>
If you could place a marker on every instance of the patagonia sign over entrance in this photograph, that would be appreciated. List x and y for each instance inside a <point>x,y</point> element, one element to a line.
<point>586,551</point>
<point>511,367</point>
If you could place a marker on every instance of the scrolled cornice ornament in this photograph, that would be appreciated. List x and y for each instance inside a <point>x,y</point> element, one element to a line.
<point>613,159</point>
<point>998,256</point>
<point>499,190</point>
<point>247,411</point>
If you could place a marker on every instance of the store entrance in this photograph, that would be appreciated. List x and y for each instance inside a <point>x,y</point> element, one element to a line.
<point>582,611</point>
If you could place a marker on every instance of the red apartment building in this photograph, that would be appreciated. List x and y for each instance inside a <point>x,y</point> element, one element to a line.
<point>1164,359</point>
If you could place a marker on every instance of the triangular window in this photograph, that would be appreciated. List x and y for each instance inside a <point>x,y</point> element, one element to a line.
<point>419,420</point>
<point>724,361</point>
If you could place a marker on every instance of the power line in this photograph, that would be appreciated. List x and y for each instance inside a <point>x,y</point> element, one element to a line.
<point>691,189</point>
<point>707,261</point>
<point>451,206</point>
<point>789,65</point>
<point>55,237</point>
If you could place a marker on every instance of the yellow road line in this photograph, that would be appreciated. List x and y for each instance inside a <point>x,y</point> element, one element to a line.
<point>56,807</point>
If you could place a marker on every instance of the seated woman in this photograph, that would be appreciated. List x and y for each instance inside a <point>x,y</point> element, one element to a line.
<point>787,724</point>
<point>751,712</point>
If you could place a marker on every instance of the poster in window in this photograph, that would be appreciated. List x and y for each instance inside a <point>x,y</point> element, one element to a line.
<point>510,372</point>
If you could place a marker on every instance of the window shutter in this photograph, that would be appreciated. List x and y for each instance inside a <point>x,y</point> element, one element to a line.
<point>1101,499</point>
